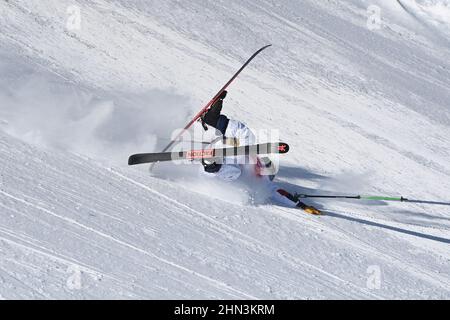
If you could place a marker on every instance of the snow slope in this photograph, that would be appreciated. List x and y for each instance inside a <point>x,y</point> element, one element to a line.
<point>365,111</point>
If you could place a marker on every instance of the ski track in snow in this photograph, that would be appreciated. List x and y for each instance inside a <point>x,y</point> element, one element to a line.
<point>366,246</point>
<point>256,242</point>
<point>350,100</point>
<point>125,244</point>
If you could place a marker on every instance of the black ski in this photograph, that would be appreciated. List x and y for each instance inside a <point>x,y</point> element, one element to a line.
<point>214,99</point>
<point>217,153</point>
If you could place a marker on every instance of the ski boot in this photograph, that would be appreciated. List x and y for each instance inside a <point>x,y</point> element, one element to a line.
<point>265,167</point>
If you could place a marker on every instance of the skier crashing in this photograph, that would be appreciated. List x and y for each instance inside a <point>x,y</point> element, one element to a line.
<point>236,133</point>
<point>241,138</point>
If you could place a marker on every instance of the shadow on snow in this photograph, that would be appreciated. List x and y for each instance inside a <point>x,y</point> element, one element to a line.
<point>302,173</point>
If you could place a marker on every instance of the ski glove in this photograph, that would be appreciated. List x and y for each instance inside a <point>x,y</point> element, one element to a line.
<point>211,167</point>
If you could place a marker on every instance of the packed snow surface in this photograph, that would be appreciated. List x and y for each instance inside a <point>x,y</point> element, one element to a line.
<point>359,89</point>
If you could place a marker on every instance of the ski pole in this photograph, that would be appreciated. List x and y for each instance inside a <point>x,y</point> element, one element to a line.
<point>375,198</point>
